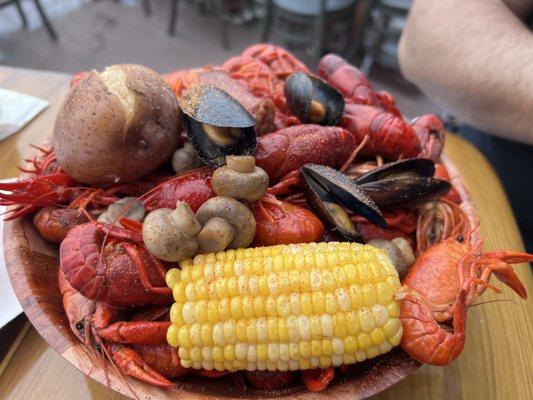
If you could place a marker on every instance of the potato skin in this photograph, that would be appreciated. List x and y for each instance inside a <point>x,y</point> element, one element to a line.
<point>91,141</point>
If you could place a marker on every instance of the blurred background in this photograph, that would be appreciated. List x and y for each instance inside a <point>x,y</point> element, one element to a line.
<point>166,35</point>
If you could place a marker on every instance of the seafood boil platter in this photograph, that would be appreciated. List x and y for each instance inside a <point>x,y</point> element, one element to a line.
<point>249,229</point>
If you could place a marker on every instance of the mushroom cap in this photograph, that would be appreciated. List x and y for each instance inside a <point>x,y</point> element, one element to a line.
<point>234,212</point>
<point>249,186</point>
<point>393,252</point>
<point>164,239</point>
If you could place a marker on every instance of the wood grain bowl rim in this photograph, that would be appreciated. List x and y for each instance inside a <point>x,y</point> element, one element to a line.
<point>24,248</point>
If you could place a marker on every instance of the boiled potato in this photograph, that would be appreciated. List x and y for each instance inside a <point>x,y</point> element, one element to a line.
<point>117,125</point>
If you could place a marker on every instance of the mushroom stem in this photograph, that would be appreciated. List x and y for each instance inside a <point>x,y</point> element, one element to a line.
<point>244,164</point>
<point>185,220</point>
<point>216,235</point>
<point>406,250</point>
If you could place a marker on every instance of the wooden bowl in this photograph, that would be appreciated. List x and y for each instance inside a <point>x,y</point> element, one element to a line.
<point>33,263</point>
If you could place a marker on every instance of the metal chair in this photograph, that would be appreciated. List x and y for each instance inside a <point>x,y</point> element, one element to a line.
<point>40,10</point>
<point>219,7</point>
<point>386,34</point>
<point>310,22</point>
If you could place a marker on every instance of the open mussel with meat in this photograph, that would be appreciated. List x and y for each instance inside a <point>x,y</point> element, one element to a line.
<point>405,183</point>
<point>329,192</point>
<point>313,100</point>
<point>217,124</point>
<point>406,168</point>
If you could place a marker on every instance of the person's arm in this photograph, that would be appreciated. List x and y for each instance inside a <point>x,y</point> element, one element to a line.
<point>475,59</point>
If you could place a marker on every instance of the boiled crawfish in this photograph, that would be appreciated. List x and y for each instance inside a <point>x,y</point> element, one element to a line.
<point>111,265</point>
<point>443,282</point>
<point>148,357</point>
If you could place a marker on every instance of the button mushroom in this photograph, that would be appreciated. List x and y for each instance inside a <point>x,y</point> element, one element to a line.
<point>185,159</point>
<point>240,179</point>
<point>171,234</point>
<point>399,251</point>
<point>227,223</point>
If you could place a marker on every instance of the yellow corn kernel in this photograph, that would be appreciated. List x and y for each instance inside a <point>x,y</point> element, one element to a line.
<point>366,320</point>
<point>350,345</point>
<point>305,349</point>
<point>224,309</point>
<point>176,314</point>
<point>354,326</point>
<point>340,325</point>
<point>381,315</point>
<point>218,354</point>
<point>306,304</point>
<point>272,328</point>
<point>364,341</point>
<point>206,333</point>
<point>370,296</point>
<point>377,336</point>
<point>283,306</point>
<point>172,277</point>
<point>394,309</point>
<point>200,311</point>
<point>183,337</point>
<point>178,292</point>
<point>327,348</point>
<point>212,311</point>
<point>229,353</point>
<point>173,335</point>
<point>319,304</point>
<point>195,335</point>
<point>262,352</point>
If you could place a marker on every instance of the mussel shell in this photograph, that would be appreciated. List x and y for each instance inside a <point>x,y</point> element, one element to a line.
<point>344,191</point>
<point>406,192</point>
<point>421,167</point>
<point>213,106</point>
<point>318,197</point>
<point>302,89</point>
<point>209,108</point>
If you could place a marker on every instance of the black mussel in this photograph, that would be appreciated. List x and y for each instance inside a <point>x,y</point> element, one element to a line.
<point>405,192</point>
<point>313,100</point>
<point>328,191</point>
<point>326,208</point>
<point>408,168</point>
<point>217,124</point>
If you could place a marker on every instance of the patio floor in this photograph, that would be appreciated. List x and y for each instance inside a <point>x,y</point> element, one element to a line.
<point>96,34</point>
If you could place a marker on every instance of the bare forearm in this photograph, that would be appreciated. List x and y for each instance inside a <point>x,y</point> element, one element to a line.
<point>475,59</point>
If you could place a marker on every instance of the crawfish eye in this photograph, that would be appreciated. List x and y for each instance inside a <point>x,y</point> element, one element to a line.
<point>79,325</point>
<point>460,239</point>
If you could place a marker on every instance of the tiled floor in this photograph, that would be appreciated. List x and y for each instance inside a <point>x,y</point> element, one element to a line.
<point>96,34</point>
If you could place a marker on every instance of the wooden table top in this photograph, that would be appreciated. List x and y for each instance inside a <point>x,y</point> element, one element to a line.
<point>497,362</point>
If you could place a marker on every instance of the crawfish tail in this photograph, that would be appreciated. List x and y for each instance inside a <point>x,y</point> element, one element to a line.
<point>193,187</point>
<point>427,341</point>
<point>389,135</point>
<point>430,132</point>
<point>286,150</point>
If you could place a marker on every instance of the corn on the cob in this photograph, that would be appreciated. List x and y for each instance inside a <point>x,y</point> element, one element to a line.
<point>286,307</point>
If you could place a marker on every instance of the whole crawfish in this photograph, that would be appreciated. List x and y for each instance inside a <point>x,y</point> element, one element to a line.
<point>264,68</point>
<point>353,84</point>
<point>279,222</point>
<point>443,282</point>
<point>374,115</point>
<point>111,265</point>
<point>137,347</point>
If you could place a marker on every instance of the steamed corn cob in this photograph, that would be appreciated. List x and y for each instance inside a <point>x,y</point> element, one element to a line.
<point>286,307</point>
